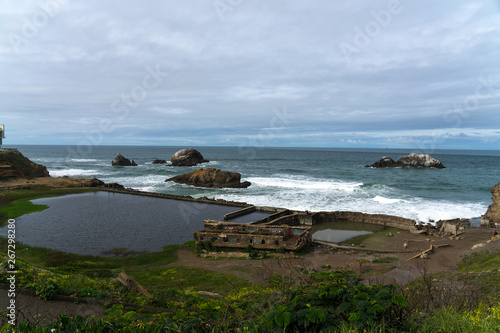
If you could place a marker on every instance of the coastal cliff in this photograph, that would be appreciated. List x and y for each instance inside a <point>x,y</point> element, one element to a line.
<point>14,165</point>
<point>493,213</point>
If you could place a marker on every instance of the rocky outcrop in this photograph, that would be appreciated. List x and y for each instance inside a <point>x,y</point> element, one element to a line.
<point>187,157</point>
<point>412,160</point>
<point>420,160</point>
<point>14,165</point>
<point>493,212</point>
<point>122,161</point>
<point>158,161</point>
<point>211,178</point>
<point>384,162</point>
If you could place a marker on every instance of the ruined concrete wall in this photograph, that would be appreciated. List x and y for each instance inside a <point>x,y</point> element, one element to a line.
<point>272,217</point>
<point>355,217</point>
<point>291,220</point>
<point>288,238</point>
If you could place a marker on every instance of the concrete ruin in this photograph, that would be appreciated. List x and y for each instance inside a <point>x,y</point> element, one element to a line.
<point>292,229</point>
<point>239,235</point>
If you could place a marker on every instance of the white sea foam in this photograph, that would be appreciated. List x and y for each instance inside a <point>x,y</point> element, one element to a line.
<point>304,183</point>
<point>83,160</point>
<point>419,209</point>
<point>73,172</point>
<point>387,201</point>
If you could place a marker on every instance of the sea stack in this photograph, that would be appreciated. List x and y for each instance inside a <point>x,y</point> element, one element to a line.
<point>211,178</point>
<point>412,161</point>
<point>187,157</point>
<point>492,216</point>
<point>120,160</point>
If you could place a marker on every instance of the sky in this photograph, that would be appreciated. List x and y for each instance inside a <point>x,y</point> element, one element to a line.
<point>353,74</point>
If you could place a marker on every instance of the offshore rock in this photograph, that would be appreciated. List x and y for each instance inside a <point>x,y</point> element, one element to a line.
<point>384,162</point>
<point>158,161</point>
<point>420,160</point>
<point>412,160</point>
<point>14,165</point>
<point>493,212</point>
<point>211,177</point>
<point>119,160</point>
<point>187,157</point>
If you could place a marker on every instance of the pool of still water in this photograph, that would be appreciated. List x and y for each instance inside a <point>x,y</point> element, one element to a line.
<point>336,232</point>
<point>96,222</point>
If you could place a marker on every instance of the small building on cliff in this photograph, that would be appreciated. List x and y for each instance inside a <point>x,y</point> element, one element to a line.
<point>2,133</point>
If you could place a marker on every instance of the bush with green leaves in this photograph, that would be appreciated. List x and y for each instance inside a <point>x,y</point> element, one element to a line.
<point>331,299</point>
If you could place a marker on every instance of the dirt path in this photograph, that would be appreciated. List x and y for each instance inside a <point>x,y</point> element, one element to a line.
<point>35,310</point>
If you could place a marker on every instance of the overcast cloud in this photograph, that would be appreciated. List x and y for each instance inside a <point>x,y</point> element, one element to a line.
<point>326,73</point>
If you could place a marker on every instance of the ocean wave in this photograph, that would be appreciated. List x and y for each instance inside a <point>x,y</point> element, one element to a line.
<point>304,183</point>
<point>384,200</point>
<point>83,160</point>
<point>419,209</point>
<point>73,172</point>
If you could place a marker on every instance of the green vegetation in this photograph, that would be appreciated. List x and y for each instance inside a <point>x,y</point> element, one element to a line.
<point>329,301</point>
<point>385,260</point>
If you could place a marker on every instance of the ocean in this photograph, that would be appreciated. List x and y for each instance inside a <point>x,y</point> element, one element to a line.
<point>314,179</point>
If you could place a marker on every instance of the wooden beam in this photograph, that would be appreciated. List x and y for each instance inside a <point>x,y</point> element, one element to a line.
<point>130,283</point>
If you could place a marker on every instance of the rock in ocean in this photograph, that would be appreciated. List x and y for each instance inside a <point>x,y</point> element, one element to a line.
<point>119,160</point>
<point>211,178</point>
<point>412,160</point>
<point>187,157</point>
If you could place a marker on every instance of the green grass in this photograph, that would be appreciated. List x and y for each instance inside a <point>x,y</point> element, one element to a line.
<point>481,261</point>
<point>20,207</point>
<point>385,260</point>
<point>65,263</point>
<point>181,277</point>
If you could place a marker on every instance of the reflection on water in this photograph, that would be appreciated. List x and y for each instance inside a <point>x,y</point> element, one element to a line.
<point>341,231</point>
<point>92,223</point>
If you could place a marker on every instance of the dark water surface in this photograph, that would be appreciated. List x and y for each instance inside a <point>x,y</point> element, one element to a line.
<point>92,223</point>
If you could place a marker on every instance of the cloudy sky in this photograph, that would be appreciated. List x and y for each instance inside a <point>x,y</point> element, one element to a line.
<point>364,73</point>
